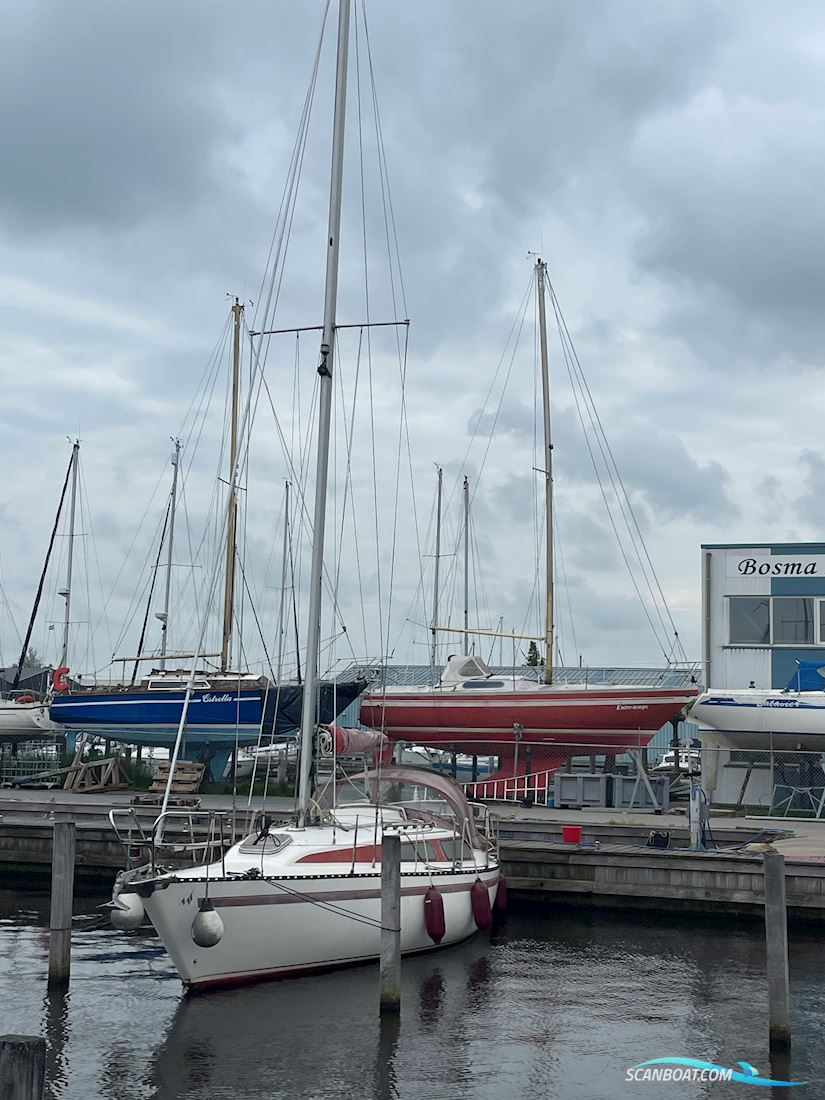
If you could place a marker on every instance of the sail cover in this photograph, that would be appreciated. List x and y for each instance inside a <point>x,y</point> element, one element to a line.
<point>282,716</point>
<point>809,676</point>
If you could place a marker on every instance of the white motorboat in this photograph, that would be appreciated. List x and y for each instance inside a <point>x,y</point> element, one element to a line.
<point>758,718</point>
<point>290,900</point>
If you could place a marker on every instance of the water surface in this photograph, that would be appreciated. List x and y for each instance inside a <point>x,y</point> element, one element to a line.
<point>556,1004</point>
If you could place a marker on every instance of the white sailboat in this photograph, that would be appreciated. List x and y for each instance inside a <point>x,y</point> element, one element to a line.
<point>306,897</point>
<point>24,715</point>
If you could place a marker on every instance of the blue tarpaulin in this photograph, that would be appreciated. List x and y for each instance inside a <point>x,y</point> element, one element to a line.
<point>809,676</point>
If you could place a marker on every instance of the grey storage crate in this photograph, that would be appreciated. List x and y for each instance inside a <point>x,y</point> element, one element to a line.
<point>578,791</point>
<point>623,792</point>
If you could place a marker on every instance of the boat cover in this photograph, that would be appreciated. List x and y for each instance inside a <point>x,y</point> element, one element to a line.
<point>809,676</point>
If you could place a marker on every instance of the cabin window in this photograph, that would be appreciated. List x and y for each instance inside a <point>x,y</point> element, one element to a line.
<point>418,851</point>
<point>482,684</point>
<point>168,684</point>
<point>750,620</point>
<point>455,849</point>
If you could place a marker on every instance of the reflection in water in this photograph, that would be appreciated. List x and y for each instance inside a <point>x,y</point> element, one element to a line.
<point>389,1030</point>
<point>431,999</point>
<point>560,1005</point>
<point>56,1026</point>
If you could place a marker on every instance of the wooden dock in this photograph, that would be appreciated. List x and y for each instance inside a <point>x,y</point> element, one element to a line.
<point>622,873</point>
<point>631,876</point>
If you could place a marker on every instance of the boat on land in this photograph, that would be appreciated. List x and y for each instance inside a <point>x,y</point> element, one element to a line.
<point>226,708</point>
<point>223,711</point>
<point>521,720</point>
<point>472,711</point>
<point>307,896</point>
<point>760,718</point>
<point>25,712</point>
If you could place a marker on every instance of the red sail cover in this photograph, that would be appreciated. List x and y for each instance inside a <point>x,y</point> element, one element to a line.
<point>338,741</point>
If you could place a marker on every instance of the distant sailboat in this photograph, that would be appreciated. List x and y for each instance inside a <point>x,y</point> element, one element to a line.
<point>226,707</point>
<point>25,714</point>
<point>470,710</point>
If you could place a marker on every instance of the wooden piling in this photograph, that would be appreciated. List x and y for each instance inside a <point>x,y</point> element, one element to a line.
<point>22,1067</point>
<point>776,932</point>
<point>60,922</point>
<point>391,923</point>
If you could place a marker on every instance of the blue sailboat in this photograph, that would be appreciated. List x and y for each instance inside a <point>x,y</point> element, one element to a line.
<point>227,708</point>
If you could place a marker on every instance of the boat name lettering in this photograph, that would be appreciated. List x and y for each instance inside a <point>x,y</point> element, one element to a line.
<point>631,706</point>
<point>781,703</point>
<point>225,698</point>
<point>751,567</point>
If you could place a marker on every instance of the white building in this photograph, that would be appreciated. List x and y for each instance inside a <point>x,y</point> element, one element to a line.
<point>763,609</point>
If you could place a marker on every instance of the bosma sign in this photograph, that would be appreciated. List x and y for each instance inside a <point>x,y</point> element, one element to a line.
<point>776,565</point>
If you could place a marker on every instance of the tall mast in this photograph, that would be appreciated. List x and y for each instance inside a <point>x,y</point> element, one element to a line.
<point>324,412</point>
<point>164,615</point>
<point>232,511</point>
<point>25,647</point>
<point>284,567</point>
<point>466,565</point>
<point>67,591</point>
<point>437,563</point>
<point>541,276</point>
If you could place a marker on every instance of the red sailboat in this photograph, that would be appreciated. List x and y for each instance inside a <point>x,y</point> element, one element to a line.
<point>531,727</point>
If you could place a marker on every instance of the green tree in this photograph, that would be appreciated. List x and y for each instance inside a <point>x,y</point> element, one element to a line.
<point>33,659</point>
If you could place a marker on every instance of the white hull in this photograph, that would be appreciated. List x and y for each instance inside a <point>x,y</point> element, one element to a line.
<point>756,718</point>
<point>274,928</point>
<point>26,720</point>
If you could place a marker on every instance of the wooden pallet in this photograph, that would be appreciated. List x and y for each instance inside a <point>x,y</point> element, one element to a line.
<point>185,784</point>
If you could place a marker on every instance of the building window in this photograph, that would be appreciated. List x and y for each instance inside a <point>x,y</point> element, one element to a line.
<point>793,620</point>
<point>750,620</point>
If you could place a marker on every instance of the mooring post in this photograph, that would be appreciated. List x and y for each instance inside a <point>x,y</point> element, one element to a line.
<point>391,923</point>
<point>22,1067</point>
<point>776,932</point>
<point>60,923</point>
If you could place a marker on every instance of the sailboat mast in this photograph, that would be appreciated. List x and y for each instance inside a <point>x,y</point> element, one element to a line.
<point>232,511</point>
<point>284,566</point>
<point>164,617</point>
<point>541,278</point>
<point>466,564</point>
<point>324,416</point>
<point>67,591</point>
<point>433,652</point>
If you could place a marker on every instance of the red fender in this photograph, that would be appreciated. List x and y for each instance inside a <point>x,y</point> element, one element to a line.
<point>480,901</point>
<point>434,915</point>
<point>60,680</point>
<point>500,903</point>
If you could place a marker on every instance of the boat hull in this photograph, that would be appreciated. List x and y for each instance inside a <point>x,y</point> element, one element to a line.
<point>277,927</point>
<point>477,722</point>
<point>213,717</point>
<point>26,720</point>
<point>758,719</point>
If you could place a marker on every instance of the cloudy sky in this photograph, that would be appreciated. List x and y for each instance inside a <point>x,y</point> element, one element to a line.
<point>666,160</point>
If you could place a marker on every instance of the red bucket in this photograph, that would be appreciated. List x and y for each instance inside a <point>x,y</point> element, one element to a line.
<point>571,834</point>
